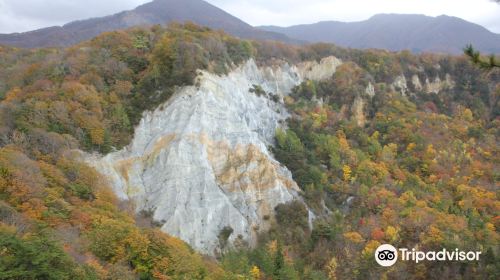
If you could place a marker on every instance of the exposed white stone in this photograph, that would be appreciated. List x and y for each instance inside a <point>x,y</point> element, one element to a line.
<point>357,111</point>
<point>318,71</point>
<point>201,162</point>
<point>400,84</point>
<point>370,90</point>
<point>438,85</point>
<point>416,82</point>
<point>435,86</point>
<point>449,81</point>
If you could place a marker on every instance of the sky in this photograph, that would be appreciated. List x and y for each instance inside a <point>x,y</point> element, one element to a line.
<point>25,15</point>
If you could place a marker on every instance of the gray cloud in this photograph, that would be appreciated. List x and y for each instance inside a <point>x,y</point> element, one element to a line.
<point>66,10</point>
<point>24,15</point>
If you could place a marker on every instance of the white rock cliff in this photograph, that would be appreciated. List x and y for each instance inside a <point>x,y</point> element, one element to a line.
<point>201,162</point>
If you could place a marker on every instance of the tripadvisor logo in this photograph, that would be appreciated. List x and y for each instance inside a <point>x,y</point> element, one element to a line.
<point>387,255</point>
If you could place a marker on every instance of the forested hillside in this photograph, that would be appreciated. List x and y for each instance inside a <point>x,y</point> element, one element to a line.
<point>418,170</point>
<point>58,218</point>
<point>405,167</point>
<point>161,12</point>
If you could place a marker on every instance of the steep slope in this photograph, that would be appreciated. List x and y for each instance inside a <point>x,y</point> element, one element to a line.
<point>156,12</point>
<point>396,32</point>
<point>393,148</point>
<point>201,162</point>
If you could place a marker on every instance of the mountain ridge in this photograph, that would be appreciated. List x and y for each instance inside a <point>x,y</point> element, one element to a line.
<point>152,13</point>
<point>393,32</point>
<point>396,32</point>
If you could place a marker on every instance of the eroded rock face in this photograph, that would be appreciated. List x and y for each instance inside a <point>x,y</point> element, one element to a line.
<point>438,85</point>
<point>416,83</point>
<point>400,85</point>
<point>370,90</point>
<point>435,86</point>
<point>357,111</point>
<point>201,162</point>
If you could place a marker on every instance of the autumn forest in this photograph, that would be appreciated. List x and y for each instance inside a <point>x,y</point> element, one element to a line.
<point>409,166</point>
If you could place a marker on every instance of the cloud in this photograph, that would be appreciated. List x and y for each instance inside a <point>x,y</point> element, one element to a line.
<point>24,15</point>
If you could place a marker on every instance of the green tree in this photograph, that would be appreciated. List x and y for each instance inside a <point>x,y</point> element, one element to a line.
<point>33,258</point>
<point>279,262</point>
<point>484,63</point>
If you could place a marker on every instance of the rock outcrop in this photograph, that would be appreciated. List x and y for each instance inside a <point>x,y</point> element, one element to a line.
<point>201,164</point>
<point>357,111</point>
<point>436,86</point>
<point>400,85</point>
<point>370,90</point>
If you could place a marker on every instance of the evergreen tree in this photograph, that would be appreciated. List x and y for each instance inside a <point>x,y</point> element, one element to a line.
<point>484,63</point>
<point>279,262</point>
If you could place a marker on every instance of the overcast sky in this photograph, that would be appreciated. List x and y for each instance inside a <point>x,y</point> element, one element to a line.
<point>24,15</point>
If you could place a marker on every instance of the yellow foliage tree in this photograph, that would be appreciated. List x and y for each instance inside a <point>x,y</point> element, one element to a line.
<point>411,147</point>
<point>391,233</point>
<point>370,248</point>
<point>347,172</point>
<point>272,246</point>
<point>255,273</point>
<point>353,237</point>
<point>97,135</point>
<point>331,269</point>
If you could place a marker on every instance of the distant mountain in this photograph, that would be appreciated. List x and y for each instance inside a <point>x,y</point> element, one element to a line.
<point>156,12</point>
<point>396,32</point>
